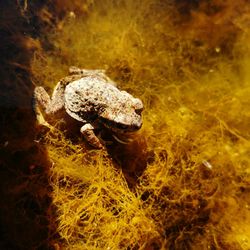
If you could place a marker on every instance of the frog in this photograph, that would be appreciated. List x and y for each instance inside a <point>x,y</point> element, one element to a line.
<point>91,98</point>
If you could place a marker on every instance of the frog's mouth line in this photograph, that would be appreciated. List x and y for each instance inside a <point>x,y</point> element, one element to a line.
<point>119,127</point>
<point>127,141</point>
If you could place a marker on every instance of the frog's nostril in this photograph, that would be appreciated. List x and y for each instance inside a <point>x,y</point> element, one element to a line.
<point>138,111</point>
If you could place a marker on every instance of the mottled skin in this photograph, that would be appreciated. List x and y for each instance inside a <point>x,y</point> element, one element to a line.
<point>90,97</point>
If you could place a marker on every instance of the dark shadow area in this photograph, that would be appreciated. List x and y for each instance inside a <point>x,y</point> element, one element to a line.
<point>132,157</point>
<point>25,207</point>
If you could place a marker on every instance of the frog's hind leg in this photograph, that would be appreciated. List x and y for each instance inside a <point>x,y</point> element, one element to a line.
<point>101,73</point>
<point>57,100</point>
<point>41,99</point>
<point>49,106</point>
<point>40,102</point>
<point>73,70</point>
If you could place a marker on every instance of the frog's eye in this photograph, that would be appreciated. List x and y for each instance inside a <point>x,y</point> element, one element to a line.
<point>121,126</point>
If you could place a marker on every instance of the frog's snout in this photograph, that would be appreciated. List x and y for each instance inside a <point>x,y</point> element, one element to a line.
<point>136,125</point>
<point>138,106</point>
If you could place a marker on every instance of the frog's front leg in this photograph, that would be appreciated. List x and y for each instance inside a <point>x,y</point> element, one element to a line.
<point>87,131</point>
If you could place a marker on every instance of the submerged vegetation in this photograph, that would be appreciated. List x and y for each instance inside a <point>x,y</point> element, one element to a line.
<point>182,181</point>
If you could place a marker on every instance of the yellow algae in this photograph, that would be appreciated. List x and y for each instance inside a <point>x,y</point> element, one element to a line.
<point>183,181</point>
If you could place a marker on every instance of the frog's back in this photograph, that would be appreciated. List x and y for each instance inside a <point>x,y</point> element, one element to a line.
<point>85,97</point>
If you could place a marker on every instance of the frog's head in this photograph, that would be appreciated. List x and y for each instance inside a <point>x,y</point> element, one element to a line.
<point>124,116</point>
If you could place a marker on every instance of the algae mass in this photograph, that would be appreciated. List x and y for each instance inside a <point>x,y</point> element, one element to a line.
<point>182,181</point>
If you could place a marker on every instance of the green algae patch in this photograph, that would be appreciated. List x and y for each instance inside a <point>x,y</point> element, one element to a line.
<point>182,182</point>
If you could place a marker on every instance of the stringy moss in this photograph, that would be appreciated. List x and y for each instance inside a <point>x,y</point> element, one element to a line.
<point>183,182</point>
